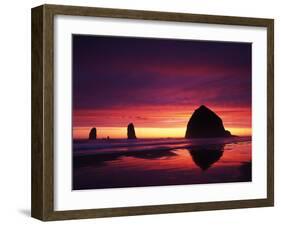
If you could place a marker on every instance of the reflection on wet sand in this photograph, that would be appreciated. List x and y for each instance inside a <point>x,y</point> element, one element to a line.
<point>205,157</point>
<point>101,159</point>
<point>168,165</point>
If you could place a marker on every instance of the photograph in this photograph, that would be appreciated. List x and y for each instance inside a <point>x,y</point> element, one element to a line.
<point>156,112</point>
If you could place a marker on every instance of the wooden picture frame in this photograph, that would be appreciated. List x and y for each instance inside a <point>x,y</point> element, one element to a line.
<point>43,110</point>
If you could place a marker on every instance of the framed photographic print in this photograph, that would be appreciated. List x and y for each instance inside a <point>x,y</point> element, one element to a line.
<point>141,112</point>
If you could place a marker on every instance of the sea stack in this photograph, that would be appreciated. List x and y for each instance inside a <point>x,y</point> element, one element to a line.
<point>131,131</point>
<point>93,134</point>
<point>204,123</point>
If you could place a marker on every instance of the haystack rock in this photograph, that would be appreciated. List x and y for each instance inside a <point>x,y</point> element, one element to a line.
<point>93,134</point>
<point>131,131</point>
<point>204,123</point>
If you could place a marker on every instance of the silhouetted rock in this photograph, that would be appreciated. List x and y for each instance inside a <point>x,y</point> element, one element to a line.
<point>93,134</point>
<point>131,131</point>
<point>204,157</point>
<point>227,133</point>
<point>205,123</point>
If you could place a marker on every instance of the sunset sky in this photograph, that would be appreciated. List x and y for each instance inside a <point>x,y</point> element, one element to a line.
<point>157,84</point>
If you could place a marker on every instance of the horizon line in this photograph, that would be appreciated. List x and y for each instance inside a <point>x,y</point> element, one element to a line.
<point>146,132</point>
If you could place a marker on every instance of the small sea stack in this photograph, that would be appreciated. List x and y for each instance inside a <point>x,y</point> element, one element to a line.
<point>93,134</point>
<point>204,123</point>
<point>131,131</point>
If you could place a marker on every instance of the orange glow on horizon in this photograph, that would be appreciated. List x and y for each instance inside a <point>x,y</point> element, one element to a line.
<point>154,122</point>
<point>121,132</point>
